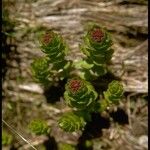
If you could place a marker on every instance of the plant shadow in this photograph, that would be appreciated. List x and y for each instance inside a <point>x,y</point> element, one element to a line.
<point>120,116</point>
<point>53,93</point>
<point>101,83</point>
<point>93,129</point>
<point>50,144</point>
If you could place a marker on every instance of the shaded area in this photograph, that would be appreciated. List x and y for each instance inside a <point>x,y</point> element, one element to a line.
<point>13,148</point>
<point>93,130</point>
<point>50,144</point>
<point>8,50</point>
<point>101,84</point>
<point>8,45</point>
<point>141,2</point>
<point>53,93</point>
<point>120,116</point>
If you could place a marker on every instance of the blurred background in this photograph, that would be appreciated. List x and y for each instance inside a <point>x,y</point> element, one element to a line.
<point>24,99</point>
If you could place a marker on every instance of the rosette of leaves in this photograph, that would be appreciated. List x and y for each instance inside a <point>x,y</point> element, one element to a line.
<point>39,127</point>
<point>96,47</point>
<point>6,138</point>
<point>114,92</point>
<point>71,122</point>
<point>80,94</point>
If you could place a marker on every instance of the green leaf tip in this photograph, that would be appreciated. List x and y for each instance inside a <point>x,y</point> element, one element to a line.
<point>39,127</point>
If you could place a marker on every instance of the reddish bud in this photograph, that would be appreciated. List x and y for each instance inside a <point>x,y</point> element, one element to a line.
<point>47,38</point>
<point>97,35</point>
<point>75,85</point>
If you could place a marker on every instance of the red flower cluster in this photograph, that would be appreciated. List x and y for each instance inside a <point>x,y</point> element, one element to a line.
<point>47,38</point>
<point>97,35</point>
<point>75,85</point>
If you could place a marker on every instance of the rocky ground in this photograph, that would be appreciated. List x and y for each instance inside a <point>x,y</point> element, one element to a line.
<point>24,99</point>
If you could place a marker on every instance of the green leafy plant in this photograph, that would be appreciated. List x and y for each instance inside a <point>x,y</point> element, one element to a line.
<point>71,122</point>
<point>6,138</point>
<point>114,92</point>
<point>112,96</point>
<point>80,94</point>
<point>97,48</point>
<point>53,65</point>
<point>39,127</point>
<point>40,69</point>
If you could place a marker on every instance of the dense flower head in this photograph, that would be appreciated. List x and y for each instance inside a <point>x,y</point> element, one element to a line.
<point>47,38</point>
<point>75,85</point>
<point>97,34</point>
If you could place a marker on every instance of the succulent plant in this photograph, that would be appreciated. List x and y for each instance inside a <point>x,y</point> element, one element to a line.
<point>39,127</point>
<point>96,47</point>
<point>97,44</point>
<point>53,65</point>
<point>53,45</point>
<point>80,94</point>
<point>114,92</point>
<point>71,122</point>
<point>40,70</point>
